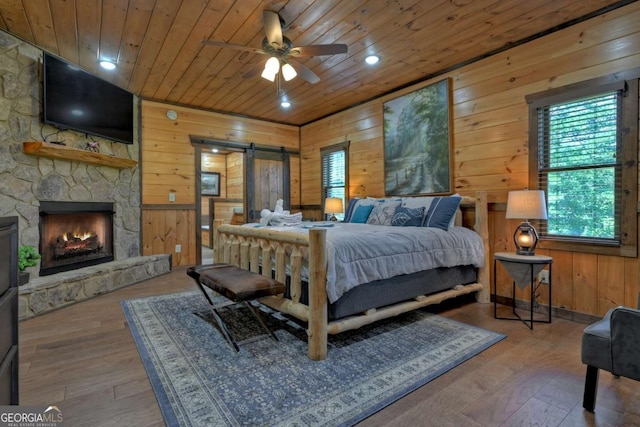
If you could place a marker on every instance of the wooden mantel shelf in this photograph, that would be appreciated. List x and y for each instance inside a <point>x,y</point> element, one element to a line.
<point>54,151</point>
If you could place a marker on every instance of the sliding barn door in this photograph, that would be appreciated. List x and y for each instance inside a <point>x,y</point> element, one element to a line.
<point>267,180</point>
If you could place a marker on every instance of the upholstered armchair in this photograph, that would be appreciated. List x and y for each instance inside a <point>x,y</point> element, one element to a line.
<point>612,344</point>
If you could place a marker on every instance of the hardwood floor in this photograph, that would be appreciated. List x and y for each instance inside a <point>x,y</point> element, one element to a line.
<point>82,358</point>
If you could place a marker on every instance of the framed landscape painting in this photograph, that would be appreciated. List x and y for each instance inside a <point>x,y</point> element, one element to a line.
<point>417,148</point>
<point>210,183</point>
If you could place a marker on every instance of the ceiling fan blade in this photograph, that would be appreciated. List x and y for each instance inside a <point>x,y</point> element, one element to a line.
<point>304,72</point>
<point>233,46</point>
<point>272,28</point>
<point>319,50</point>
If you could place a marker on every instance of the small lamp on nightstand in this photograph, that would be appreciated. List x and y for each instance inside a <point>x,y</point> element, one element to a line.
<point>526,205</point>
<point>333,205</point>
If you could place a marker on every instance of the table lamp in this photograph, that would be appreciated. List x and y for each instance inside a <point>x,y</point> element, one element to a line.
<point>526,205</point>
<point>333,205</point>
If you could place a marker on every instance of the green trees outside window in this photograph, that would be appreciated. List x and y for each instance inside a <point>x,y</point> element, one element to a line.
<point>583,152</point>
<point>579,163</point>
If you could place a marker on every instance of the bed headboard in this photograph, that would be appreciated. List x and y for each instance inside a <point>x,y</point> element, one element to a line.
<point>465,215</point>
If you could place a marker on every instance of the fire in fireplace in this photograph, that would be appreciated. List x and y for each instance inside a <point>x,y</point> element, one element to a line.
<point>75,235</point>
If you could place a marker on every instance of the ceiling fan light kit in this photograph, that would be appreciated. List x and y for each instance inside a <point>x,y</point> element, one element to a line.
<point>280,48</point>
<point>288,72</point>
<point>271,68</point>
<point>268,76</point>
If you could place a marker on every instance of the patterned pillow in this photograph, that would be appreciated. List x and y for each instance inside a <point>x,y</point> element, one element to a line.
<point>408,217</point>
<point>361,214</point>
<point>441,212</point>
<point>382,213</point>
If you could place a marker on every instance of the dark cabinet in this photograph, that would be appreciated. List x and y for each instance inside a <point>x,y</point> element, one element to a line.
<point>9,311</point>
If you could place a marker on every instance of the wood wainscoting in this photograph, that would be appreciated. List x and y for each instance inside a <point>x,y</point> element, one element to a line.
<point>164,227</point>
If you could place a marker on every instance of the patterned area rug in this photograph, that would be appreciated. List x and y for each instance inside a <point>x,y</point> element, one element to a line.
<point>199,380</point>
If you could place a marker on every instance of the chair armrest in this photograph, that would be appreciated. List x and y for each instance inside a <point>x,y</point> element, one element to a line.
<point>625,342</point>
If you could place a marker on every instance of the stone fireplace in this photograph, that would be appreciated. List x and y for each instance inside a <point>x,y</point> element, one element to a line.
<point>75,235</point>
<point>27,180</point>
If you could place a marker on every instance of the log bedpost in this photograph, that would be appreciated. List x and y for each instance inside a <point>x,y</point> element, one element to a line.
<point>217,245</point>
<point>317,295</point>
<point>482,228</point>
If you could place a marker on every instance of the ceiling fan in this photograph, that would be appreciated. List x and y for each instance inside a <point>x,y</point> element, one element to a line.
<point>282,51</point>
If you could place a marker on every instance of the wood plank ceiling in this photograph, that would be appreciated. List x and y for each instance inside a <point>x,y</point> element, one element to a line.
<point>160,55</point>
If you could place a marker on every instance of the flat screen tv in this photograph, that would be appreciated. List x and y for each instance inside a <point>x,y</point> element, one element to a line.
<point>75,99</point>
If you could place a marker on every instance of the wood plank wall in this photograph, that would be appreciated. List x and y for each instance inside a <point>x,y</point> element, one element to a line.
<point>235,176</point>
<point>168,165</point>
<point>231,170</point>
<point>490,143</point>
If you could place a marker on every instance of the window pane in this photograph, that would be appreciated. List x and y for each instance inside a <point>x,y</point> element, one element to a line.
<point>334,177</point>
<point>582,203</point>
<point>336,192</point>
<point>583,133</point>
<point>578,164</point>
<point>584,147</point>
<point>334,169</point>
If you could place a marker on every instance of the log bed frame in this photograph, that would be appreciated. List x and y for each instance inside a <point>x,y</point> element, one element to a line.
<point>250,248</point>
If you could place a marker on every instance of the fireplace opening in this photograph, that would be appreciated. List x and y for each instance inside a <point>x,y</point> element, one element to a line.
<point>75,235</point>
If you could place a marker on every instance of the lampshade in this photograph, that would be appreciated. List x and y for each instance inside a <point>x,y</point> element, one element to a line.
<point>266,74</point>
<point>271,68</point>
<point>288,72</point>
<point>333,205</point>
<point>272,65</point>
<point>526,204</point>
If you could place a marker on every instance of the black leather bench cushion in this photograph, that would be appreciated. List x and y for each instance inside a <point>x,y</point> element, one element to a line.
<point>235,283</point>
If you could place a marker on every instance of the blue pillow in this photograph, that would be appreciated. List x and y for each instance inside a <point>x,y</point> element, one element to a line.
<point>350,208</point>
<point>408,217</point>
<point>361,214</point>
<point>441,211</point>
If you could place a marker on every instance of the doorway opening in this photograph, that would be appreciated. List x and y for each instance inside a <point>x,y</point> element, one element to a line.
<point>234,182</point>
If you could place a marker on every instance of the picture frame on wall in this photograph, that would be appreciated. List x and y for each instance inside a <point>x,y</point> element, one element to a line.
<point>210,183</point>
<point>417,142</point>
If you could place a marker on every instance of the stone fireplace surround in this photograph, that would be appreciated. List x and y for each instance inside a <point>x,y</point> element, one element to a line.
<point>36,179</point>
<point>26,180</point>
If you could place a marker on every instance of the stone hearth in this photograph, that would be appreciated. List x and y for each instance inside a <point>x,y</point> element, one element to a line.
<point>47,293</point>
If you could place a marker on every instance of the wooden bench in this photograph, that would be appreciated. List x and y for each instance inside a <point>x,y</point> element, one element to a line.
<point>237,285</point>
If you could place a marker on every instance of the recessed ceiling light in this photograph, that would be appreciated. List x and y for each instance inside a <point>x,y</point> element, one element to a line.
<point>107,65</point>
<point>372,59</point>
<point>214,150</point>
<point>285,104</point>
